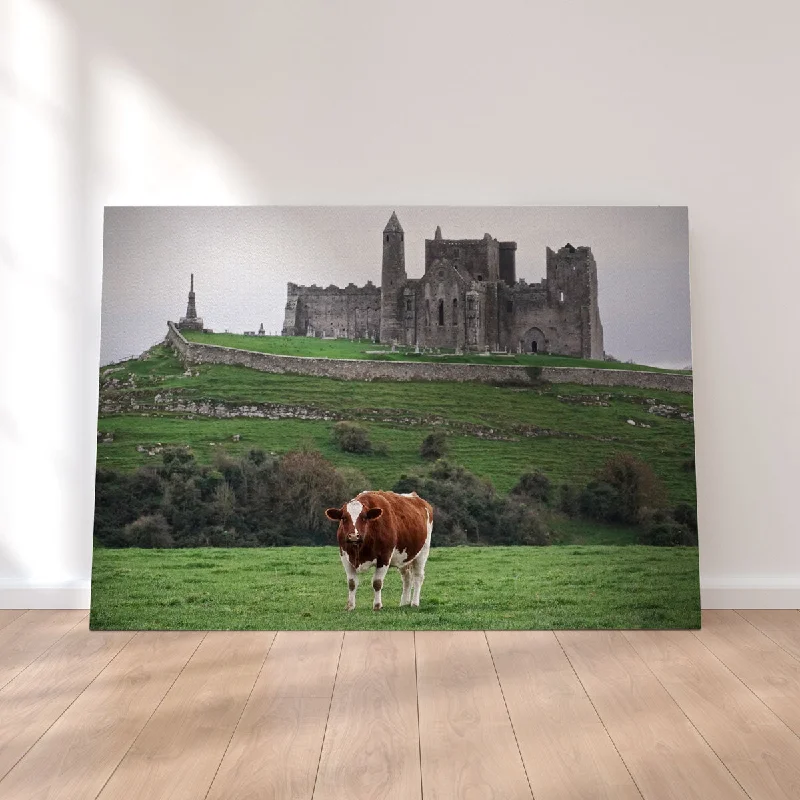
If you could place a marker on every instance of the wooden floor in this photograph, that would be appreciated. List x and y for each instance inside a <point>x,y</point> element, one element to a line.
<point>708,714</point>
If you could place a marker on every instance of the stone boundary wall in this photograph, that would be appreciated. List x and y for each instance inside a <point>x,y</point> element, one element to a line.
<point>365,370</point>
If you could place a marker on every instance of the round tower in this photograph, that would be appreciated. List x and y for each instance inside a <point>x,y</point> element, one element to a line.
<point>393,281</point>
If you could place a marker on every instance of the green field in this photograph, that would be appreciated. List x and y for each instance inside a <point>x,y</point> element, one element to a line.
<point>466,588</point>
<point>563,430</point>
<point>360,349</point>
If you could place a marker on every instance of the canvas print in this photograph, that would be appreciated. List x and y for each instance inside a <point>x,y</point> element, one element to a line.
<point>333,418</point>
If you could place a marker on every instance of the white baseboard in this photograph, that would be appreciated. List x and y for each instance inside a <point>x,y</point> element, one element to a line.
<point>738,591</point>
<point>75,594</point>
<point>750,591</point>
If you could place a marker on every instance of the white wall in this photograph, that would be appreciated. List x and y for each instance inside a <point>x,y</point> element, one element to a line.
<point>689,102</point>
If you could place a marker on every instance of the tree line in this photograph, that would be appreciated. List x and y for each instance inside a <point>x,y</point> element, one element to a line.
<point>259,500</point>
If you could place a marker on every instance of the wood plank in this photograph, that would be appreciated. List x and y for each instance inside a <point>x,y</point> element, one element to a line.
<point>782,626</point>
<point>39,695</point>
<point>275,750</point>
<point>79,752</point>
<point>667,757</point>
<point>180,748</point>
<point>467,743</point>
<point>767,669</point>
<point>371,748</point>
<point>25,638</point>
<point>8,615</point>
<point>775,620</point>
<point>758,749</point>
<point>566,749</point>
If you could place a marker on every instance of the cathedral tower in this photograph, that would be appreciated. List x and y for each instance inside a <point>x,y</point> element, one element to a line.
<point>393,281</point>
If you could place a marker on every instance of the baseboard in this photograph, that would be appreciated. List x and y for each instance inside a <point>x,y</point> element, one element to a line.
<point>738,591</point>
<point>750,591</point>
<point>75,594</point>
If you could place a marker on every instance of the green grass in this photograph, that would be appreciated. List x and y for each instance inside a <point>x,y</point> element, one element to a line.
<point>465,589</point>
<point>574,440</point>
<point>359,349</point>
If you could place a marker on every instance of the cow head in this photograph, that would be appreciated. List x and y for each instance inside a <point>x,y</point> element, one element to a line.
<point>354,520</point>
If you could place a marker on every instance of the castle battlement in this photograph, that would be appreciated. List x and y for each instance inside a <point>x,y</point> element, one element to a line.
<point>351,288</point>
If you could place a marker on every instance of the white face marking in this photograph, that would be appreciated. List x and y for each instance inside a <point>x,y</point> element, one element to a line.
<point>354,509</point>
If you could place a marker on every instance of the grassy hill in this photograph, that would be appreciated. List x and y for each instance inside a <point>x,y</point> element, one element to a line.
<point>565,431</point>
<point>366,349</point>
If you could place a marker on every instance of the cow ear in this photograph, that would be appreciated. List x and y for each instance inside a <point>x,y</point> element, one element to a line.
<point>374,513</point>
<point>333,513</point>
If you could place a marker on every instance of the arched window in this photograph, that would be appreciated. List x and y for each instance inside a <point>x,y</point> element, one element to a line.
<point>441,312</point>
<point>455,311</point>
<point>428,312</point>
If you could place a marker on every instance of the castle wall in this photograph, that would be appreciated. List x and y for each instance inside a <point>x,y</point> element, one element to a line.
<point>364,370</point>
<point>353,312</point>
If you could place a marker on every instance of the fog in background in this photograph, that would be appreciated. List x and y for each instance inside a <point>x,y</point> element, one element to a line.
<point>243,257</point>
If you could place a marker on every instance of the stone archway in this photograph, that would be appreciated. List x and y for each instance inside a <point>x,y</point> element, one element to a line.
<point>534,341</point>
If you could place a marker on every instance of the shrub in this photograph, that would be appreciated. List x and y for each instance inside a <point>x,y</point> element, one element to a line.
<point>636,484</point>
<point>351,438</point>
<point>354,481</point>
<point>177,460</point>
<point>569,497</point>
<point>519,524</point>
<point>600,501</point>
<point>532,487</point>
<point>686,514</point>
<point>305,484</point>
<point>150,531</point>
<point>467,509</point>
<point>434,446</point>
<point>666,533</point>
<point>121,498</point>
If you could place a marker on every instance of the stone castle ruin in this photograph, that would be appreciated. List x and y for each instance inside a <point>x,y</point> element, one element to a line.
<point>468,299</point>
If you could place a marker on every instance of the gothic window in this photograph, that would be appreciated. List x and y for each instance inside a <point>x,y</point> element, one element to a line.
<point>510,306</point>
<point>470,304</point>
<point>428,312</point>
<point>441,312</point>
<point>455,311</point>
<point>408,305</point>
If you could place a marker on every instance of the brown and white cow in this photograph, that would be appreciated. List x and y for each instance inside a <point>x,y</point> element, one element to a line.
<point>382,530</point>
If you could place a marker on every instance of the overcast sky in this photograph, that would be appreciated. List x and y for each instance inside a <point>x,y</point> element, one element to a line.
<point>242,258</point>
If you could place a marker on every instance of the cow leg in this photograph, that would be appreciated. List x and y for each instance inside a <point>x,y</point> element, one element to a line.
<point>418,567</point>
<point>352,582</point>
<point>406,575</point>
<point>377,585</point>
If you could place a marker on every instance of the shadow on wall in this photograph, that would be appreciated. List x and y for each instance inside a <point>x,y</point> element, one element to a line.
<point>84,126</point>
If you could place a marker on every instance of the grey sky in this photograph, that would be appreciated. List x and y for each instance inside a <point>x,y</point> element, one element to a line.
<point>242,258</point>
